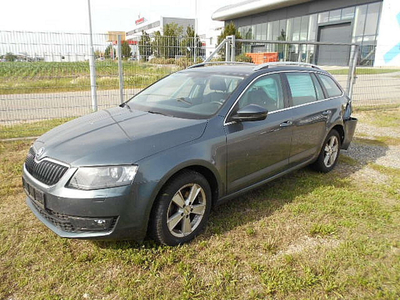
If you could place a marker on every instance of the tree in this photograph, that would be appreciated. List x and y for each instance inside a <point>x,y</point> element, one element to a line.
<point>126,49</point>
<point>172,33</point>
<point>144,46</point>
<point>189,41</point>
<point>98,54</point>
<point>230,29</point>
<point>109,52</point>
<point>281,47</point>
<point>157,45</point>
<point>10,56</point>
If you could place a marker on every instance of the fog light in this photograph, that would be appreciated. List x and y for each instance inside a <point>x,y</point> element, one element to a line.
<point>91,224</point>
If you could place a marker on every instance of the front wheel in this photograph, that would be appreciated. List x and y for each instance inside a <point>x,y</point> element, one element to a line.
<point>182,209</point>
<point>329,155</point>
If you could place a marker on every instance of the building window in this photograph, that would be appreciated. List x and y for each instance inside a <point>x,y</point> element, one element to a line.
<point>348,13</point>
<point>323,17</point>
<point>359,22</point>
<point>296,29</point>
<point>304,28</point>
<point>312,28</point>
<point>335,15</point>
<point>371,24</point>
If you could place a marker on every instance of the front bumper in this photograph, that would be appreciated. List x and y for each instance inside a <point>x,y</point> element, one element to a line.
<point>107,214</point>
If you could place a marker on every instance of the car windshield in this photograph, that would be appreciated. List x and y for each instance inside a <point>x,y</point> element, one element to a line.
<point>187,94</point>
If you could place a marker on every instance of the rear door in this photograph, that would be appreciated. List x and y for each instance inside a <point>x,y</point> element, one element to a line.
<point>257,150</point>
<point>310,115</point>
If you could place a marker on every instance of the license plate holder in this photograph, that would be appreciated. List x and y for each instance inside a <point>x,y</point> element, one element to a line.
<point>37,196</point>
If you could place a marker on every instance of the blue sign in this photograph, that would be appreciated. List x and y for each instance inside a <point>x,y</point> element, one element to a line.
<point>392,53</point>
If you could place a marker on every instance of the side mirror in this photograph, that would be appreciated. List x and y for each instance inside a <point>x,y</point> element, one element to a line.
<point>252,112</point>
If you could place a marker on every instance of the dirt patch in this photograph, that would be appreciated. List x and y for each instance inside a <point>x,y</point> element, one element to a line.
<point>307,243</point>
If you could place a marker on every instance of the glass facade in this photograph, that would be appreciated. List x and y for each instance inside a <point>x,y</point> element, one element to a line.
<point>364,20</point>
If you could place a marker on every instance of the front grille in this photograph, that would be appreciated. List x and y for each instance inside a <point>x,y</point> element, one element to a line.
<point>45,171</point>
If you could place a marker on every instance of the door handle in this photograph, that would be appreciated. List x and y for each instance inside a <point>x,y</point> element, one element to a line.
<point>286,124</point>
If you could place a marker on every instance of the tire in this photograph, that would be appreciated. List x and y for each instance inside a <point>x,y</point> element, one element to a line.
<point>182,209</point>
<point>329,154</point>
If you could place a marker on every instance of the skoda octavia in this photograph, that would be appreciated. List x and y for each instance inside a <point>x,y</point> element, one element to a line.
<point>157,164</point>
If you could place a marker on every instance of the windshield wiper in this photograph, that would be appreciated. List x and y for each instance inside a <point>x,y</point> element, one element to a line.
<point>125,104</point>
<point>156,112</point>
<point>181,99</point>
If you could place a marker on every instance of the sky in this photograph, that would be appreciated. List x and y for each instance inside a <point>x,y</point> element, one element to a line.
<point>107,15</point>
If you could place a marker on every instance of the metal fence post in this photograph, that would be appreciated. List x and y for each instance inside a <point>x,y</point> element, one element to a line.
<point>92,66</point>
<point>233,48</point>
<point>300,52</point>
<point>227,49</point>
<point>219,47</point>
<point>352,71</point>
<point>120,71</point>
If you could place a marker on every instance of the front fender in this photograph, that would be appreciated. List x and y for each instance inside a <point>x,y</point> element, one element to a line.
<point>155,171</point>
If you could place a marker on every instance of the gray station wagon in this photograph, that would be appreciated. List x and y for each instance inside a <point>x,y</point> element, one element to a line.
<point>158,163</point>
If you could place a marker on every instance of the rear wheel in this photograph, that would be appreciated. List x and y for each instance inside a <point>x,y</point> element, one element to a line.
<point>329,155</point>
<point>182,209</point>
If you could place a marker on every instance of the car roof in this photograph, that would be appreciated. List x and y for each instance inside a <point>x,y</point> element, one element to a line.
<point>247,69</point>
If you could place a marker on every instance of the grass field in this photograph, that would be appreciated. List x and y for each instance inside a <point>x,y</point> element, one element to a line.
<point>47,77</point>
<point>304,236</point>
<point>364,71</point>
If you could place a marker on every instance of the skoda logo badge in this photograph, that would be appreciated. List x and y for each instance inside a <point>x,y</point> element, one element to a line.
<point>40,153</point>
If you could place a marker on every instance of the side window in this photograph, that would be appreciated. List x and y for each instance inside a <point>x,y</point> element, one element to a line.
<point>302,88</point>
<point>330,86</point>
<point>266,92</point>
<point>318,88</point>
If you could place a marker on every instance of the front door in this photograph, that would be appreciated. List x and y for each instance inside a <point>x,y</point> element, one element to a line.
<point>259,149</point>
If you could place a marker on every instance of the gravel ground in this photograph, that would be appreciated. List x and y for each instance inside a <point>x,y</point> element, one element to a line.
<point>375,152</point>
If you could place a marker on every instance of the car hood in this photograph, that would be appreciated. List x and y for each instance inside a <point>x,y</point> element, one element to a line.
<point>116,136</point>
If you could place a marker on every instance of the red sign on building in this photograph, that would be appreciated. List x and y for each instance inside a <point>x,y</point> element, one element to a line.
<point>139,21</point>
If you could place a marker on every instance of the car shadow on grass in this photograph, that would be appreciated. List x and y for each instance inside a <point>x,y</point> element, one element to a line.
<point>264,201</point>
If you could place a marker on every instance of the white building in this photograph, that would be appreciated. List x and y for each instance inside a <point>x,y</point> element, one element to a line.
<point>372,24</point>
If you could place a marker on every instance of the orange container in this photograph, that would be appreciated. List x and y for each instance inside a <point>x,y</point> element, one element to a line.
<point>263,57</point>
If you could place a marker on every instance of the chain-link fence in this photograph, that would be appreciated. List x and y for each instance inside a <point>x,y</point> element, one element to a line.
<point>367,85</point>
<point>46,76</point>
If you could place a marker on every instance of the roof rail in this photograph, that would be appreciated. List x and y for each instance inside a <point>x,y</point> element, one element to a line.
<point>286,63</point>
<point>203,64</point>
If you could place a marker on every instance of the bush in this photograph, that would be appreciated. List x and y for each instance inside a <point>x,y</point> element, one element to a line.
<point>244,58</point>
<point>162,61</point>
<point>185,62</point>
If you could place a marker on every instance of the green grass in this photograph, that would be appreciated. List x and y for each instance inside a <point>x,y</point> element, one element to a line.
<point>375,109</point>
<point>364,71</point>
<point>304,236</point>
<point>47,77</point>
<point>30,129</point>
<point>388,119</point>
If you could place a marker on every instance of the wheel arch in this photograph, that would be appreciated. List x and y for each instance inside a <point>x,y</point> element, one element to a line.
<point>208,174</point>
<point>339,128</point>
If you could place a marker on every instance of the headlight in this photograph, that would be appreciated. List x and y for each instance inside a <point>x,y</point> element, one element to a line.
<point>94,178</point>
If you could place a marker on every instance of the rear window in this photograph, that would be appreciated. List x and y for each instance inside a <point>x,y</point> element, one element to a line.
<point>331,87</point>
